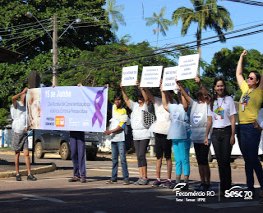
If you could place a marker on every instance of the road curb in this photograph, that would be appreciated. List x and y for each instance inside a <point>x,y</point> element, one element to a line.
<point>39,170</point>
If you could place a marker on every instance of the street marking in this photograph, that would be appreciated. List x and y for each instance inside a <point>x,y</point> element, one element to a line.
<point>9,201</point>
<point>230,205</point>
<point>37,197</point>
<point>109,170</point>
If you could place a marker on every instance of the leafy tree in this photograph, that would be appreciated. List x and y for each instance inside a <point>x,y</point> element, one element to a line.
<point>25,35</point>
<point>225,61</point>
<point>115,15</point>
<point>104,64</point>
<point>161,22</point>
<point>3,117</point>
<point>206,14</point>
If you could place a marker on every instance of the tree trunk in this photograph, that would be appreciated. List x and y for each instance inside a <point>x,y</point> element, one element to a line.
<point>198,43</point>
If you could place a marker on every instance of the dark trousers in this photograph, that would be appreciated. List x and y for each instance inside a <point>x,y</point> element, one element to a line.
<point>141,149</point>
<point>221,143</point>
<point>78,153</point>
<point>249,139</point>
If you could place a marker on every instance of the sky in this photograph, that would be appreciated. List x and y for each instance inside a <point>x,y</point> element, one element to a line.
<point>242,15</point>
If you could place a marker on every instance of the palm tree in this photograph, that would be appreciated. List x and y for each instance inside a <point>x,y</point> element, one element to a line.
<point>115,15</point>
<point>162,23</point>
<point>207,14</point>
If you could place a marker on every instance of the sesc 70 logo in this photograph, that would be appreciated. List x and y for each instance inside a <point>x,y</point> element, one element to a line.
<point>239,192</point>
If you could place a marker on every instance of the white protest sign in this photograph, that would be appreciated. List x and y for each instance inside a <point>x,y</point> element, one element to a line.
<point>188,67</point>
<point>169,76</point>
<point>151,76</point>
<point>129,75</point>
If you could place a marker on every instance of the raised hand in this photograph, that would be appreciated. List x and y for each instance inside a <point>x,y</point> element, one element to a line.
<point>197,79</point>
<point>244,53</point>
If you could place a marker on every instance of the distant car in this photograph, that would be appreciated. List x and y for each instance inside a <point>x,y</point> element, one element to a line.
<point>52,141</point>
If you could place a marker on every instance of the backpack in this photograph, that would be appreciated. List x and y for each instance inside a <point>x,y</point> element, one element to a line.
<point>148,116</point>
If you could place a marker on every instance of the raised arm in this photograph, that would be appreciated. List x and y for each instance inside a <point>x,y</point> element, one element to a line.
<point>144,93</point>
<point>184,102</point>
<point>239,70</point>
<point>198,81</point>
<point>15,97</point>
<point>125,97</point>
<point>164,99</point>
<point>184,94</point>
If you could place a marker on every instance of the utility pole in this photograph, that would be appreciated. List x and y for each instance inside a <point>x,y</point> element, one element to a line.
<point>54,39</point>
<point>55,50</point>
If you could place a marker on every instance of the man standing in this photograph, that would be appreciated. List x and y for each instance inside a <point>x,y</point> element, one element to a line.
<point>19,137</point>
<point>116,130</point>
<point>77,148</point>
<point>78,154</point>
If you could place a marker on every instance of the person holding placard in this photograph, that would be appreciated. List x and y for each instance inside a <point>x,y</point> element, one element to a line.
<point>221,117</point>
<point>248,128</point>
<point>141,135</point>
<point>78,154</point>
<point>116,131</point>
<point>198,121</point>
<point>163,146</point>
<point>179,132</point>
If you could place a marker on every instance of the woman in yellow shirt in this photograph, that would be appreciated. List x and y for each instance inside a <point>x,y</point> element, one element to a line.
<point>248,133</point>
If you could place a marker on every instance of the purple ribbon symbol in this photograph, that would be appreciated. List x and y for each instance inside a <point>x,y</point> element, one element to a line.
<point>98,104</point>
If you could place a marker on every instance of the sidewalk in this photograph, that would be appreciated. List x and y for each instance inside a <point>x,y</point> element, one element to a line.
<point>7,165</point>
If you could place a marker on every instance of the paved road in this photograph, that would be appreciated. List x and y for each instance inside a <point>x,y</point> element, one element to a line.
<point>52,193</point>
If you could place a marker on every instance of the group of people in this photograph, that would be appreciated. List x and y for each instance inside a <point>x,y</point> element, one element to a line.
<point>179,121</point>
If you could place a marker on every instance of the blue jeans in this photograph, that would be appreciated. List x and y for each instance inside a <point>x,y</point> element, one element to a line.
<point>118,148</point>
<point>78,153</point>
<point>249,139</point>
<point>221,142</point>
<point>181,156</point>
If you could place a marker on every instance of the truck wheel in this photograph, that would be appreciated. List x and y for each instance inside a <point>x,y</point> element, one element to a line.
<point>64,151</point>
<point>39,150</point>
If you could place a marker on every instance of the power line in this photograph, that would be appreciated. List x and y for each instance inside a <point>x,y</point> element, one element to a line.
<point>255,3</point>
<point>174,48</point>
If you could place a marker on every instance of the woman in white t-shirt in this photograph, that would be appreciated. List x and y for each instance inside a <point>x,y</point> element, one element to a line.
<point>198,121</point>
<point>221,117</point>
<point>141,135</point>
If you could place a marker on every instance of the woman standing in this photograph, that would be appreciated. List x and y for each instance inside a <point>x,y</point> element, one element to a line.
<point>248,134</point>
<point>179,132</point>
<point>198,122</point>
<point>141,135</point>
<point>221,117</point>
